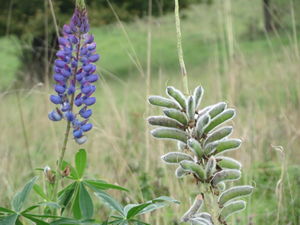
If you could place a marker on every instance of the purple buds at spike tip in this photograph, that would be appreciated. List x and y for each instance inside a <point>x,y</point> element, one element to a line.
<point>74,75</point>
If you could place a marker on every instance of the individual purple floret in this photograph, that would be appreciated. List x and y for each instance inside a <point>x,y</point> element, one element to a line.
<point>74,74</point>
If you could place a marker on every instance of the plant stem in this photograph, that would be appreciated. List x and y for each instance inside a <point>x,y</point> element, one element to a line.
<point>211,204</point>
<point>179,49</point>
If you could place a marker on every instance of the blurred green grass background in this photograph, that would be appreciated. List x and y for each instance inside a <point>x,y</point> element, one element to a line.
<point>255,72</point>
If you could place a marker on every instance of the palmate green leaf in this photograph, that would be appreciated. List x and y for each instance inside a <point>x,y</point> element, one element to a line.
<point>35,220</point>
<point>103,185</point>
<point>76,204</point>
<point>9,220</point>
<point>85,202</point>
<point>139,209</point>
<point>66,194</point>
<point>6,210</point>
<point>39,190</point>
<point>20,197</point>
<point>80,162</point>
<point>110,201</point>
<point>67,221</point>
<point>136,209</point>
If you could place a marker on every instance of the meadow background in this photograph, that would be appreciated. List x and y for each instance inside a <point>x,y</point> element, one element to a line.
<point>226,50</point>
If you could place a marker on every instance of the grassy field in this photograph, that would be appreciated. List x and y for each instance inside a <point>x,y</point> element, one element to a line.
<point>256,73</point>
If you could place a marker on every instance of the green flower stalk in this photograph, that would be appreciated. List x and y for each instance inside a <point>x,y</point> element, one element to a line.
<point>202,140</point>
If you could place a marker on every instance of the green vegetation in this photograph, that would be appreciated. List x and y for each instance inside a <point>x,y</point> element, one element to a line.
<point>260,79</point>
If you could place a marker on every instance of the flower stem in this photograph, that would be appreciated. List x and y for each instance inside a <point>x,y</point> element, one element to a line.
<point>179,49</point>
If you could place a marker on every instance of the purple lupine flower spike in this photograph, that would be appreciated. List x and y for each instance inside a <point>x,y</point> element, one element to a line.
<point>74,74</point>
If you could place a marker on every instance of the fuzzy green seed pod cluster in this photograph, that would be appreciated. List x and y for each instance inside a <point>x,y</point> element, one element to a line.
<point>202,140</point>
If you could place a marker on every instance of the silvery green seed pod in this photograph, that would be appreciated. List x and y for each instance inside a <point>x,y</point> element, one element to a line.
<point>181,146</point>
<point>211,147</point>
<point>228,163</point>
<point>164,122</point>
<point>221,186</point>
<point>228,114</point>
<point>163,102</point>
<point>193,209</point>
<point>225,175</point>
<point>210,166</point>
<point>204,215</point>
<point>176,115</point>
<point>217,109</point>
<point>202,123</point>
<point>198,94</point>
<point>177,95</point>
<point>233,193</point>
<point>179,172</point>
<point>175,157</point>
<point>200,221</point>
<point>219,134</point>
<point>231,208</point>
<point>204,111</point>
<point>190,110</point>
<point>194,168</point>
<point>170,133</point>
<point>195,147</point>
<point>228,145</point>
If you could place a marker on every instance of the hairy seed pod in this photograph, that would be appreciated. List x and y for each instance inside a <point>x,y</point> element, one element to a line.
<point>219,134</point>
<point>176,115</point>
<point>175,157</point>
<point>228,163</point>
<point>210,166</point>
<point>221,186</point>
<point>233,193</point>
<point>170,133</point>
<point>181,146</point>
<point>177,95</point>
<point>163,102</point>
<point>190,110</point>
<point>199,221</point>
<point>195,147</point>
<point>164,122</point>
<point>204,215</point>
<point>198,94</point>
<point>217,109</point>
<point>228,145</point>
<point>193,209</point>
<point>204,111</point>
<point>225,175</point>
<point>194,168</point>
<point>220,119</point>
<point>179,172</point>
<point>202,123</point>
<point>211,148</point>
<point>231,208</point>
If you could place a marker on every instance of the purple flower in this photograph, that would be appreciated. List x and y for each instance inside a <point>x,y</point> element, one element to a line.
<point>74,71</point>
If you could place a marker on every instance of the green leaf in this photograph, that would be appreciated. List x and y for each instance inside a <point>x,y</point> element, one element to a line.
<point>137,209</point>
<point>39,190</point>
<point>6,210</point>
<point>35,220</point>
<point>103,185</point>
<point>159,202</point>
<point>67,221</point>
<point>110,201</point>
<point>85,202</point>
<point>80,162</point>
<point>20,197</point>
<point>66,194</point>
<point>76,206</point>
<point>9,220</point>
